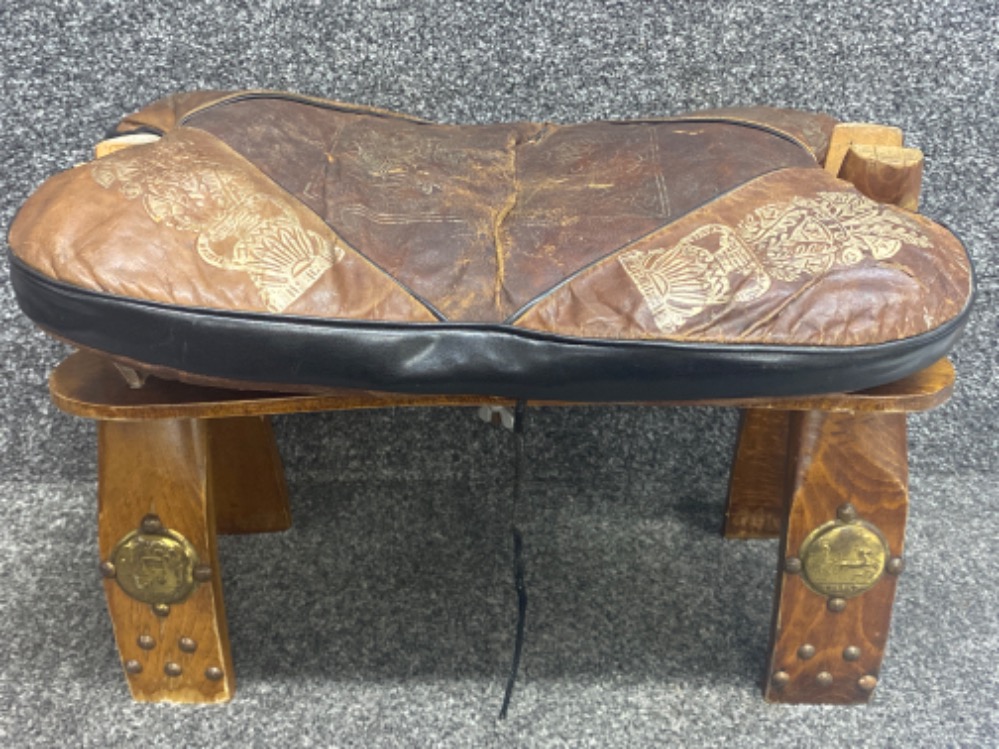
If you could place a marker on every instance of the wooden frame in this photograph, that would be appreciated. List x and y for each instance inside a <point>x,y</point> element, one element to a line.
<point>204,461</point>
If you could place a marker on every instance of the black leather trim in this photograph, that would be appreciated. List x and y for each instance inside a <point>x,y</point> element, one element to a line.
<point>452,358</point>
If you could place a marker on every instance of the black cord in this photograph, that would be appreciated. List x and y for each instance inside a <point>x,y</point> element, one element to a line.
<point>518,552</point>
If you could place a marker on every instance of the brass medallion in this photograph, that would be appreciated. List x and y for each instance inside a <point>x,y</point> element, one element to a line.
<point>843,559</point>
<point>155,568</point>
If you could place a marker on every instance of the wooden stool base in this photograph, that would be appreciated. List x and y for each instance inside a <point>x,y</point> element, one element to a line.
<point>183,462</point>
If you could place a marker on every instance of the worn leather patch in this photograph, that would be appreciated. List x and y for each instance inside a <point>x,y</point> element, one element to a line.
<point>479,220</point>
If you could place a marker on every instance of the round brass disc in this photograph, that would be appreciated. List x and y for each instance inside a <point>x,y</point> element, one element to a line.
<point>843,559</point>
<point>155,568</point>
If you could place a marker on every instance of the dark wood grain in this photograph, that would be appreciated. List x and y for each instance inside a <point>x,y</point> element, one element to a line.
<point>759,472</point>
<point>246,477</point>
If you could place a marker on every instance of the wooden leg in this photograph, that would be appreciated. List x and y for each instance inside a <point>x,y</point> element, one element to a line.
<point>848,486</point>
<point>247,480</point>
<point>759,475</point>
<point>154,475</point>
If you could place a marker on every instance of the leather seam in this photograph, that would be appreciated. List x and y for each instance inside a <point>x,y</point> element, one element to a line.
<point>302,99</point>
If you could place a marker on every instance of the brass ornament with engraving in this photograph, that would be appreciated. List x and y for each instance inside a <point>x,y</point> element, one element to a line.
<point>155,565</point>
<point>844,557</point>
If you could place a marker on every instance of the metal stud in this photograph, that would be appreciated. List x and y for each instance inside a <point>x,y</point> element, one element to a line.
<point>895,566</point>
<point>187,645</point>
<point>792,565</point>
<point>806,651</point>
<point>824,679</point>
<point>151,524</point>
<point>133,667</point>
<point>213,673</point>
<point>836,605</point>
<point>847,512</point>
<point>107,569</point>
<point>146,642</point>
<point>851,653</point>
<point>161,609</point>
<point>867,682</point>
<point>202,573</point>
<point>172,669</point>
<point>780,679</point>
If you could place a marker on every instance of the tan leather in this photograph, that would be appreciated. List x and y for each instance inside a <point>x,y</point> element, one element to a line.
<point>719,226</point>
<point>186,221</point>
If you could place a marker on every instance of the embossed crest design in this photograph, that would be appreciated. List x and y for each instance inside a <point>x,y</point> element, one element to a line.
<point>155,568</point>
<point>238,227</point>
<point>800,238</point>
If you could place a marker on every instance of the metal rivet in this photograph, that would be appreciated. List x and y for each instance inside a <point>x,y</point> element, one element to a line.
<point>172,669</point>
<point>202,573</point>
<point>133,667</point>
<point>792,565</point>
<point>824,679</point>
<point>806,651</point>
<point>187,645</point>
<point>895,566</point>
<point>780,679</point>
<point>851,653</point>
<point>213,673</point>
<point>151,524</point>
<point>867,682</point>
<point>847,513</point>
<point>161,609</point>
<point>107,569</point>
<point>146,642</point>
<point>836,604</point>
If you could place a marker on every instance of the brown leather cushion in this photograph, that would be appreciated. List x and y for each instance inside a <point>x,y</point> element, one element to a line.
<point>690,245</point>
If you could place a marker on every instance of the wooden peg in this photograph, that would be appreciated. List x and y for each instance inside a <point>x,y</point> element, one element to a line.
<point>887,174</point>
<point>846,134</point>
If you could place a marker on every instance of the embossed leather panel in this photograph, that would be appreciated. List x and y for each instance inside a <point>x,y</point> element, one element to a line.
<point>525,240</point>
<point>186,221</point>
<point>795,257</point>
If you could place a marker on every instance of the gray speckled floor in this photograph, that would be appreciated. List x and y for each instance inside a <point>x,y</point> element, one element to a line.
<point>385,616</point>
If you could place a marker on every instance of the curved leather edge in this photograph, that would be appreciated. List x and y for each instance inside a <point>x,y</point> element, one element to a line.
<point>164,114</point>
<point>447,358</point>
<point>304,99</point>
<point>169,112</point>
<point>812,130</point>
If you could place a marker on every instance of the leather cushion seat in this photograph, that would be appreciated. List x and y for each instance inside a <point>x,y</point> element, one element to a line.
<point>275,240</point>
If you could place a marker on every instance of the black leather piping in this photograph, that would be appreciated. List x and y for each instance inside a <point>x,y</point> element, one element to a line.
<point>456,358</point>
